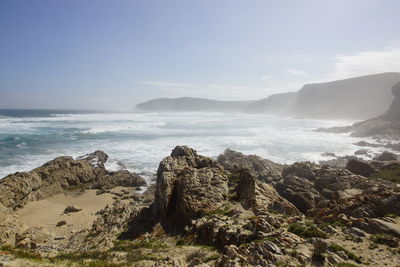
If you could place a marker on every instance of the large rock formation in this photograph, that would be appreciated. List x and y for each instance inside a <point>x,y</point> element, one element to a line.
<point>60,175</point>
<point>188,185</point>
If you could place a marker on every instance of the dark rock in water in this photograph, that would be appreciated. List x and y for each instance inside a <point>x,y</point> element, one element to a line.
<point>386,156</point>
<point>361,152</point>
<point>361,167</point>
<point>329,154</point>
<point>265,170</point>
<point>71,209</point>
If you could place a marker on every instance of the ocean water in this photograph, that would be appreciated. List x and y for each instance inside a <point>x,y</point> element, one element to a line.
<point>139,141</point>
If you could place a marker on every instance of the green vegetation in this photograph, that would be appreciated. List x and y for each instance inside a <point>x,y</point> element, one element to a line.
<point>345,264</point>
<point>223,210</point>
<point>384,239</point>
<point>392,174</point>
<point>135,255</point>
<point>391,215</point>
<point>127,245</point>
<point>22,253</point>
<point>306,230</point>
<point>351,255</point>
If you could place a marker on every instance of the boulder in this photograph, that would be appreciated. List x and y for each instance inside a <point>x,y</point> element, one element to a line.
<point>361,167</point>
<point>71,209</point>
<point>188,186</point>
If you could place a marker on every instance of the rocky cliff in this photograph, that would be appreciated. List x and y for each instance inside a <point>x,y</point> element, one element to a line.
<point>237,210</point>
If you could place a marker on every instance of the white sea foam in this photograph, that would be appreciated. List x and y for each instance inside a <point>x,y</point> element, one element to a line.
<point>140,140</point>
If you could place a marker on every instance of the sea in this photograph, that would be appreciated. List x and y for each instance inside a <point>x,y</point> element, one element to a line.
<point>138,141</point>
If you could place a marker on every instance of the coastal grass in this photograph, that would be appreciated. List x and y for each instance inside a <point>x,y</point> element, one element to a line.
<point>384,239</point>
<point>392,174</point>
<point>127,245</point>
<point>23,253</point>
<point>336,248</point>
<point>306,230</point>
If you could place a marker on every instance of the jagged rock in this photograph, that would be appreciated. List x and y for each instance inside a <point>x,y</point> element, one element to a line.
<point>95,159</point>
<point>188,185</point>
<point>264,170</point>
<point>261,197</point>
<point>386,156</point>
<point>71,209</point>
<point>60,175</point>
<point>32,238</point>
<point>110,223</point>
<point>10,226</point>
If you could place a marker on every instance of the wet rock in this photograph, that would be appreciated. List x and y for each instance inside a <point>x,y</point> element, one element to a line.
<point>386,156</point>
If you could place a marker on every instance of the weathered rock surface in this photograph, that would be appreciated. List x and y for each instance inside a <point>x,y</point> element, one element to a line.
<point>60,175</point>
<point>188,186</point>
<point>264,170</point>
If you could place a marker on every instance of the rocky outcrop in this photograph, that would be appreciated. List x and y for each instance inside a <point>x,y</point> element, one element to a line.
<point>188,186</point>
<point>60,175</point>
<point>264,170</point>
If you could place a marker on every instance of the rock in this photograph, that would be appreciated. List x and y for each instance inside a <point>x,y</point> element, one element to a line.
<point>120,178</point>
<point>10,226</point>
<point>264,170</point>
<point>272,247</point>
<point>71,209</point>
<point>361,168</point>
<point>386,156</point>
<point>329,154</point>
<point>95,159</point>
<point>361,152</point>
<point>61,223</point>
<point>188,186</point>
<point>32,238</point>
<point>110,223</point>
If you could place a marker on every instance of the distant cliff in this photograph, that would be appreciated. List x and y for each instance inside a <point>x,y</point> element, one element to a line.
<point>358,98</point>
<point>192,104</point>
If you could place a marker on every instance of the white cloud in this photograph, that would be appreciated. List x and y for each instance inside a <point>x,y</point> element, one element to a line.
<point>266,78</point>
<point>167,84</point>
<point>298,73</point>
<point>299,58</point>
<point>365,63</point>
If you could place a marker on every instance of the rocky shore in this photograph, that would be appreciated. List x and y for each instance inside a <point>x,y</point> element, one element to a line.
<point>236,210</point>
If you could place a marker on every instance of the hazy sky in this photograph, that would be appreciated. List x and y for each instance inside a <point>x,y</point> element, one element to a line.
<point>114,54</point>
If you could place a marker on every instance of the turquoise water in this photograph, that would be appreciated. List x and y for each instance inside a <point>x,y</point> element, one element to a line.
<point>140,140</point>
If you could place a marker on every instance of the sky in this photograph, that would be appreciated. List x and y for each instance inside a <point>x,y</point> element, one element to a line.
<point>112,55</point>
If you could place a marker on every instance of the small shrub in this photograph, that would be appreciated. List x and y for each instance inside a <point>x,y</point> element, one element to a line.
<point>306,230</point>
<point>391,215</point>
<point>392,174</point>
<point>351,255</point>
<point>384,239</point>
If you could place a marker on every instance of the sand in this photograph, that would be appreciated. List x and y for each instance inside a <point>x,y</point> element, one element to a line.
<point>48,212</point>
